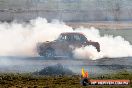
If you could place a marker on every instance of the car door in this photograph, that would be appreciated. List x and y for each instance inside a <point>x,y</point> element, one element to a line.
<point>77,41</point>
<point>62,46</point>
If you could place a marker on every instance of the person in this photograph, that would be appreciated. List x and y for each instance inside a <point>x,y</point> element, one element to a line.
<point>86,80</point>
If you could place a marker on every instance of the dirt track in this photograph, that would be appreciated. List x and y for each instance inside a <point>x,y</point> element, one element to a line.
<point>102,25</point>
<point>32,64</point>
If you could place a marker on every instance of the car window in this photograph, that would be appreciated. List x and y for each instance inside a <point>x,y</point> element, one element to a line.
<point>64,38</point>
<point>74,37</point>
<point>77,38</point>
<point>83,38</point>
<point>80,38</point>
<point>69,38</point>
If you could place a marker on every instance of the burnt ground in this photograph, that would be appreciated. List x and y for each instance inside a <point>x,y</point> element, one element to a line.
<point>73,81</point>
<point>33,64</point>
<point>38,72</point>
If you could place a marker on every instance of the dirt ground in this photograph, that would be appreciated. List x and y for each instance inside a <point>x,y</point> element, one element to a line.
<point>16,80</point>
<point>102,25</point>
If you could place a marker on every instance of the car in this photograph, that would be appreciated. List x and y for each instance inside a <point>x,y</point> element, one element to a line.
<point>64,45</point>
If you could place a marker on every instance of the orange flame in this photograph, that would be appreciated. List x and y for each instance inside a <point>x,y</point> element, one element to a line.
<point>84,74</point>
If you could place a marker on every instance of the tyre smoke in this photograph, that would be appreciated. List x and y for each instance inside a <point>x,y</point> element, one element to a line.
<point>110,46</point>
<point>20,39</point>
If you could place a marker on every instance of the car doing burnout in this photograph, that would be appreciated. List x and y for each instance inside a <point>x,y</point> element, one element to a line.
<point>64,45</point>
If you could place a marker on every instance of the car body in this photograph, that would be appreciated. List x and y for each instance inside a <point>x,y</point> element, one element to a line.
<point>65,44</point>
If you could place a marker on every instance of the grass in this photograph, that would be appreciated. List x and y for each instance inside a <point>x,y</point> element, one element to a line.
<point>10,80</point>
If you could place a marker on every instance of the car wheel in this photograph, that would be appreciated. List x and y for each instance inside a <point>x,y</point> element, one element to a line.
<point>70,55</point>
<point>49,52</point>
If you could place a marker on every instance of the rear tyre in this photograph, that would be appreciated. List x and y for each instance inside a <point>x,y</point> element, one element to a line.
<point>70,55</point>
<point>49,53</point>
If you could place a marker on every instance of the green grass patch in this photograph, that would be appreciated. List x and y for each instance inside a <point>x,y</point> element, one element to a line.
<point>11,80</point>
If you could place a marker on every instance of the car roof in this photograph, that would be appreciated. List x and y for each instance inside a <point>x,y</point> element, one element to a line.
<point>72,33</point>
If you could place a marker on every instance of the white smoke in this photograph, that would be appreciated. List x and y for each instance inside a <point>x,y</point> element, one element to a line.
<point>110,46</point>
<point>20,39</point>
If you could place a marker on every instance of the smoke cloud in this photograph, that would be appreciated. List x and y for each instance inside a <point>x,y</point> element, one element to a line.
<point>20,39</point>
<point>110,46</point>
